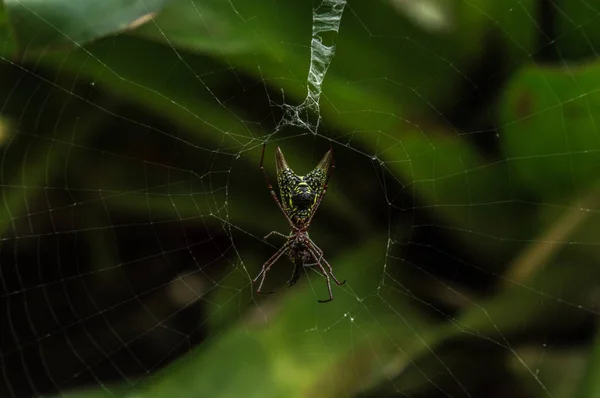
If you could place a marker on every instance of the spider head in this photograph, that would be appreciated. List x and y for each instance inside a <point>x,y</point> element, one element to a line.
<point>299,194</point>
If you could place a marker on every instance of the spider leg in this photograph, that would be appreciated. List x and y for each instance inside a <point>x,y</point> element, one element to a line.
<point>275,233</point>
<point>331,167</point>
<point>267,266</point>
<point>267,263</point>
<point>326,278</point>
<point>273,194</point>
<point>314,246</point>
<point>318,254</point>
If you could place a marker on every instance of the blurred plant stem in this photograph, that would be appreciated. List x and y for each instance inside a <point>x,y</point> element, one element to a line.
<point>539,253</point>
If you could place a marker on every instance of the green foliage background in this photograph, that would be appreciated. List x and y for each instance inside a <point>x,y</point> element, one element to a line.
<point>463,211</point>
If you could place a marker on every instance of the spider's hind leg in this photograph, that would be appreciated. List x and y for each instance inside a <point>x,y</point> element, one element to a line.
<point>333,276</point>
<point>318,255</point>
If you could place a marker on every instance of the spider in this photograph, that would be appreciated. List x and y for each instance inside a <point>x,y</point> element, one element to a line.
<point>300,198</point>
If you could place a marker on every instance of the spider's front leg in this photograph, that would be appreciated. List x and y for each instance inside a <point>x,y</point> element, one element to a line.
<point>275,233</point>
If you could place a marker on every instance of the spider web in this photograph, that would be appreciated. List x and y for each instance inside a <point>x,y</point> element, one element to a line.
<point>461,210</point>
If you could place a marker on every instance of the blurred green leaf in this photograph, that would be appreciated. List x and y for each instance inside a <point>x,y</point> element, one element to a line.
<point>560,226</point>
<point>290,344</point>
<point>7,44</point>
<point>290,358</point>
<point>503,314</point>
<point>467,194</point>
<point>268,32</point>
<point>514,309</point>
<point>559,369</point>
<point>210,26</point>
<point>41,26</point>
<point>174,90</point>
<point>36,169</point>
<point>550,132</point>
<point>590,383</point>
<point>503,26</point>
<point>386,96</point>
<point>577,30</point>
<point>425,56</point>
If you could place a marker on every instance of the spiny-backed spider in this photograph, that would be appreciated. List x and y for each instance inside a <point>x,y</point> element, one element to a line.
<point>300,198</point>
